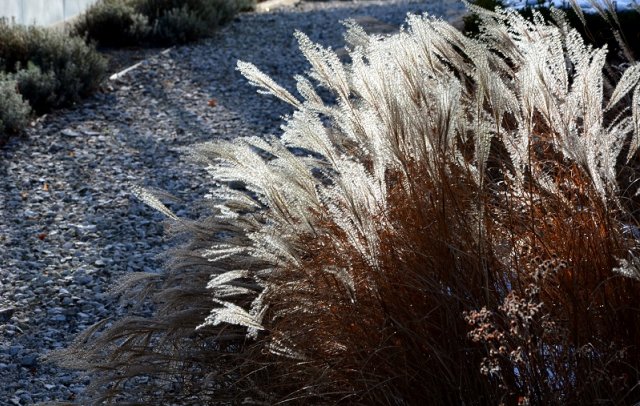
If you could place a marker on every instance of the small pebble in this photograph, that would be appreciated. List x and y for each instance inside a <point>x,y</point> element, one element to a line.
<point>6,314</point>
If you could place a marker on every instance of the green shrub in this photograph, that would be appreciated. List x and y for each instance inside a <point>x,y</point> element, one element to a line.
<point>78,69</point>
<point>178,26</point>
<point>246,5</point>
<point>14,111</point>
<point>212,11</point>
<point>156,22</point>
<point>113,23</point>
<point>15,45</point>
<point>37,87</point>
<point>178,21</point>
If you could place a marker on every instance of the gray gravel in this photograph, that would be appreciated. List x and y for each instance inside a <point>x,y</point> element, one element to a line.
<point>69,226</point>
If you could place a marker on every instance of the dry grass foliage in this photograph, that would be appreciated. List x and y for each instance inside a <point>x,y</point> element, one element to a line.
<point>458,226</point>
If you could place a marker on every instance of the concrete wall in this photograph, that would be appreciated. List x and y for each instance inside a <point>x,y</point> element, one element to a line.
<point>42,12</point>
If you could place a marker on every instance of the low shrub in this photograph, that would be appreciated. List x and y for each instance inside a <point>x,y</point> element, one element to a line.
<point>180,21</point>
<point>14,110</point>
<point>155,22</point>
<point>214,12</point>
<point>113,23</point>
<point>458,233</point>
<point>37,87</point>
<point>180,25</point>
<point>65,63</point>
<point>245,5</point>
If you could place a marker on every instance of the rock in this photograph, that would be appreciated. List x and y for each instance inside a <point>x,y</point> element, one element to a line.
<point>58,318</point>
<point>6,314</point>
<point>29,360</point>
<point>82,278</point>
<point>26,398</point>
<point>29,214</point>
<point>91,133</point>
<point>15,349</point>
<point>65,379</point>
<point>70,133</point>
<point>55,310</point>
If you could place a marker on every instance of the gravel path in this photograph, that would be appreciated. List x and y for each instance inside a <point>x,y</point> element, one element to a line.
<point>69,227</point>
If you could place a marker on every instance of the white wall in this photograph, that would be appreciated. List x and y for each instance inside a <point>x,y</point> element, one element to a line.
<point>42,12</point>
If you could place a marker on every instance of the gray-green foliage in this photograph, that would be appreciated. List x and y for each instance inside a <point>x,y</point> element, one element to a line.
<point>67,64</point>
<point>77,67</point>
<point>37,87</point>
<point>180,25</point>
<point>14,111</point>
<point>113,23</point>
<point>245,5</point>
<point>117,23</point>
<point>211,11</point>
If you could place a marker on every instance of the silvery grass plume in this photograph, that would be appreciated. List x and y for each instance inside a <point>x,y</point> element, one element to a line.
<point>451,226</point>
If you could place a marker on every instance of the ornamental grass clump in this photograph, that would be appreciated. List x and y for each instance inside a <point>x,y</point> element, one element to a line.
<point>604,25</point>
<point>458,225</point>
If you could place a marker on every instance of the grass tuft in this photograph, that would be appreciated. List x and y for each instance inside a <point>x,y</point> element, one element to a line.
<point>453,227</point>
